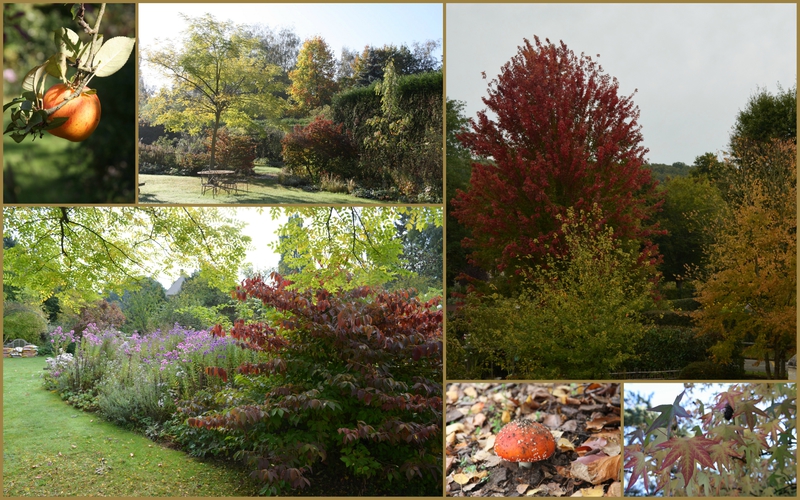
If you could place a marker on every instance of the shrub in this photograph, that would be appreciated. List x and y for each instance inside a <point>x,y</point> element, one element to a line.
<point>23,321</point>
<point>356,375</point>
<point>708,370</point>
<point>683,345</point>
<point>160,158</point>
<point>332,184</point>
<point>319,148</point>
<point>233,151</point>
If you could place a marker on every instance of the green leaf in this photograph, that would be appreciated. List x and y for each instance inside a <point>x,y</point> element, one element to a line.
<point>113,55</point>
<point>31,80</point>
<point>56,122</point>
<point>69,38</point>
<point>668,412</point>
<point>54,67</point>
<point>14,101</point>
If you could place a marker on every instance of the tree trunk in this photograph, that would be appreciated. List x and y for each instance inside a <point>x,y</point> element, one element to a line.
<point>217,116</point>
<point>766,361</point>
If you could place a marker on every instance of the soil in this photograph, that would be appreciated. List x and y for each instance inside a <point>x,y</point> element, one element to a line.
<point>583,418</point>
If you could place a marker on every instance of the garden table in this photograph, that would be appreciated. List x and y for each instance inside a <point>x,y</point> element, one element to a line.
<point>215,180</point>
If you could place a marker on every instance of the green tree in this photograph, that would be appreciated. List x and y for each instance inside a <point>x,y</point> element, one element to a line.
<point>217,76</point>
<point>144,306</point>
<point>767,116</point>
<point>344,248</point>
<point>81,252</point>
<point>201,305</point>
<point>313,83</point>
<point>23,321</point>
<point>577,316</point>
<point>691,206</point>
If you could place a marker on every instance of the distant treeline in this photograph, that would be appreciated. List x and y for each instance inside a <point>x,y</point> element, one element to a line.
<point>661,170</point>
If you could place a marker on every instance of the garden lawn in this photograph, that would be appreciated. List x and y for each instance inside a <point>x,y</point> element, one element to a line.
<point>50,449</point>
<point>262,190</point>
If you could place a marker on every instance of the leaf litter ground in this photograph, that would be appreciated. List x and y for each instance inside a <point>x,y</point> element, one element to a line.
<point>583,418</point>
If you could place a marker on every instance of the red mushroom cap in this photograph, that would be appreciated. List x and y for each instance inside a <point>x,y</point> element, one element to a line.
<point>524,441</point>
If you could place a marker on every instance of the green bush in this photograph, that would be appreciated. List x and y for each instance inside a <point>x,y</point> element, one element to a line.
<point>669,318</point>
<point>23,321</point>
<point>682,344</point>
<point>577,316</point>
<point>708,370</point>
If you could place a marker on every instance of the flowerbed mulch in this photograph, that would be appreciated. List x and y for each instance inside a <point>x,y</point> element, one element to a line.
<point>583,418</point>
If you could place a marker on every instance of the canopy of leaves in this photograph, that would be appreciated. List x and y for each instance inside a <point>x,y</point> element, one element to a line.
<point>218,75</point>
<point>342,248</point>
<point>766,117</point>
<point>79,252</point>
<point>561,137</point>
<point>578,316</point>
<point>740,444</point>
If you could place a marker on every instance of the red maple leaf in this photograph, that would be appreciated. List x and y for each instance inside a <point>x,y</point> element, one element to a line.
<point>689,452</point>
<point>637,462</point>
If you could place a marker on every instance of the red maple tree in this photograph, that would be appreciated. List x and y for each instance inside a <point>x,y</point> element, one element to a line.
<point>559,136</point>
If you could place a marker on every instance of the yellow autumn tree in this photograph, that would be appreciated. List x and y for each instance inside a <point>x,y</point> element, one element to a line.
<point>749,296</point>
<point>313,83</point>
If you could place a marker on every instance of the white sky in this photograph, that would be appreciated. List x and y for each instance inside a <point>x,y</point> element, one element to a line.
<point>261,229</point>
<point>695,65</point>
<point>341,25</point>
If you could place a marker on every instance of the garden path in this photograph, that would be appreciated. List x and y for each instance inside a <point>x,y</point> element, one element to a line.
<point>51,448</point>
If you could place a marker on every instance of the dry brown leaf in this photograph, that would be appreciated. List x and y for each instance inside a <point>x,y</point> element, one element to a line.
<point>489,443</point>
<point>452,394</point>
<point>476,408</point>
<point>555,489</point>
<point>612,449</point>
<point>506,418</point>
<point>596,491</point>
<point>479,419</point>
<point>461,478</point>
<point>606,468</point>
<point>482,455</point>
<point>449,461</point>
<point>581,471</point>
<point>457,427</point>
<point>615,490</point>
<point>565,444</point>
<point>471,392</point>
<point>600,422</point>
<point>552,420</point>
<point>522,488</point>
<point>451,438</point>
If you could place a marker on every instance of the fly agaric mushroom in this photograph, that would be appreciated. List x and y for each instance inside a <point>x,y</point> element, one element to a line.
<point>524,441</point>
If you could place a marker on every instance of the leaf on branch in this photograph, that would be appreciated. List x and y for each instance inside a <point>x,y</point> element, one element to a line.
<point>689,452</point>
<point>668,412</point>
<point>637,462</point>
<point>113,55</point>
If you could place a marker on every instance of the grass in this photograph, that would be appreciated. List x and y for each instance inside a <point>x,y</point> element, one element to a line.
<point>50,449</point>
<point>264,190</point>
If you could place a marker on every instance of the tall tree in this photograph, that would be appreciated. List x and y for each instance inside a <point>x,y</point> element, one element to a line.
<point>313,83</point>
<point>562,138</point>
<point>217,75</point>
<point>767,116</point>
<point>81,252</point>
<point>750,294</point>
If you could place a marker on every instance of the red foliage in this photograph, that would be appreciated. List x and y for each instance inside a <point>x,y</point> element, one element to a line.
<point>319,148</point>
<point>234,152</point>
<point>562,138</point>
<point>102,313</point>
<point>359,367</point>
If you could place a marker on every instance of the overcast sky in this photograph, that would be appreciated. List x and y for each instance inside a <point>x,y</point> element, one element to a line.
<point>341,25</point>
<point>694,65</point>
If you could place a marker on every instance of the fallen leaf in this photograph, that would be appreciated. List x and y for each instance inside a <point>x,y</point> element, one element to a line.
<point>555,489</point>
<point>471,392</point>
<point>457,427</point>
<point>506,418</point>
<point>448,460</point>
<point>535,491</point>
<point>489,444</point>
<point>596,491</point>
<point>565,444</point>
<point>452,394</point>
<point>131,455</point>
<point>461,479</point>
<point>600,422</point>
<point>522,488</point>
<point>615,490</point>
<point>605,468</point>
<point>480,418</point>
<point>476,408</point>
<point>581,471</point>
